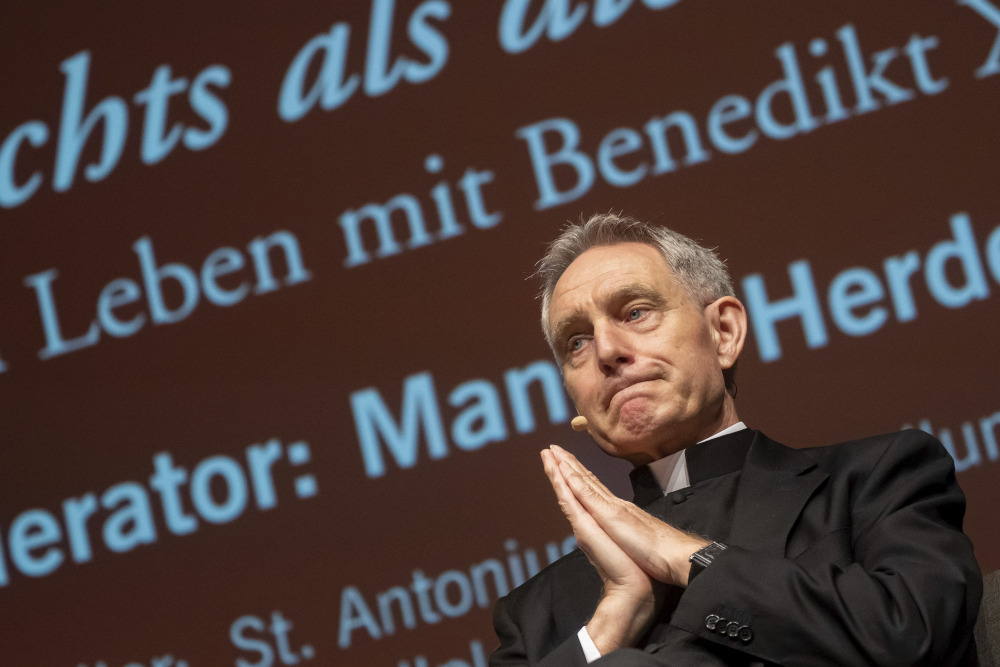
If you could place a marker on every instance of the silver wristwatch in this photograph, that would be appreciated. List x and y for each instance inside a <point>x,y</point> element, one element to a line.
<point>704,557</point>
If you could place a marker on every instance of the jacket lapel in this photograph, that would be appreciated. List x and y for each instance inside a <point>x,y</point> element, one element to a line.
<point>774,486</point>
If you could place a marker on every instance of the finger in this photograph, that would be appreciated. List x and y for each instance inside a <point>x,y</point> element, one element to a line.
<point>648,542</point>
<point>602,551</point>
<point>568,503</point>
<point>640,536</point>
<point>590,491</point>
<point>581,471</point>
<point>556,479</point>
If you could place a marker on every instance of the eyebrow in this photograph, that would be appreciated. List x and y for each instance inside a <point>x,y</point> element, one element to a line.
<point>637,291</point>
<point>619,295</point>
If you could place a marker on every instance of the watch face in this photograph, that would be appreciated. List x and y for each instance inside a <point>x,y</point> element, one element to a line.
<point>707,554</point>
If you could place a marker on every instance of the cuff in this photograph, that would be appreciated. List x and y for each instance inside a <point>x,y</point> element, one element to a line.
<point>589,650</point>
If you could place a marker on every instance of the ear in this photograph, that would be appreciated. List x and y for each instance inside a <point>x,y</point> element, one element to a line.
<point>727,318</point>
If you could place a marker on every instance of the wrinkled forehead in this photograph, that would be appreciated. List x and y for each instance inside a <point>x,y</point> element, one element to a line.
<point>602,266</point>
<point>601,273</point>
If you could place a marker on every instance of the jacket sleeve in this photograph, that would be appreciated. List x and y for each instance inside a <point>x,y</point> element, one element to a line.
<point>517,651</point>
<point>906,591</point>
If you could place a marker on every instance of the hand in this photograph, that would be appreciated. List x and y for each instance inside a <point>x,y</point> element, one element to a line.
<point>631,598</point>
<point>659,549</point>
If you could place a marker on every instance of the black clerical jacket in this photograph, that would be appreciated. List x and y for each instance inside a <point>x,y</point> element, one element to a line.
<point>850,554</point>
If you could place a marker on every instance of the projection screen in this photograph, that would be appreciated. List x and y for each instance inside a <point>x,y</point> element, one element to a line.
<point>273,385</point>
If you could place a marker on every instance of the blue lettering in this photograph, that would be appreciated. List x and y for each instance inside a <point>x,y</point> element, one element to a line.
<point>484,410</point>
<point>350,223</point>
<point>727,110</point>
<point>555,19</point>
<point>518,381</point>
<point>607,12</point>
<point>355,614</point>
<point>153,277</point>
<point>852,289</point>
<point>231,473</point>
<point>224,261</point>
<point>329,89</point>
<point>74,131</point>
<point>209,107</point>
<point>378,78</point>
<point>35,530</point>
<point>864,81</point>
<point>804,304</point>
<point>167,480</point>
<point>898,271</point>
<point>259,249</point>
<point>119,292</point>
<point>791,85</point>
<point>131,524</point>
<point>260,459</point>
<point>55,344</point>
<point>157,144</point>
<point>972,456</point>
<point>77,511</point>
<point>963,250</point>
<point>430,41</point>
<point>618,142</point>
<point>542,161</point>
<point>991,13</point>
<point>375,425</point>
<point>11,194</point>
<point>657,128</point>
<point>239,639</point>
<point>460,581</point>
<point>992,250</point>
<point>987,427</point>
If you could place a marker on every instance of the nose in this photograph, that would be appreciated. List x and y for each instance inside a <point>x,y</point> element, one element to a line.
<point>613,348</point>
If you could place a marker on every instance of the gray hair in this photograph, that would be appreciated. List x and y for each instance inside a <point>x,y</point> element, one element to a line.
<point>698,270</point>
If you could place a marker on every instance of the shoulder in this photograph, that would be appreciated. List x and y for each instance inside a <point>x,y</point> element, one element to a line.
<point>909,445</point>
<point>896,468</point>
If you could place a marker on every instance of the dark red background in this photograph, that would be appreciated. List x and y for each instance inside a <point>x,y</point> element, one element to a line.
<point>284,364</point>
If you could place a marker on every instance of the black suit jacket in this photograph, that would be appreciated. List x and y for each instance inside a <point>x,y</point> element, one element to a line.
<point>851,554</point>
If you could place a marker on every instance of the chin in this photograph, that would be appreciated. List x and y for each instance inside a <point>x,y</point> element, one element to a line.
<point>637,449</point>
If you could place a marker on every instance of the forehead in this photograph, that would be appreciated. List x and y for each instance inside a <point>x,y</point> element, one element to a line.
<point>606,270</point>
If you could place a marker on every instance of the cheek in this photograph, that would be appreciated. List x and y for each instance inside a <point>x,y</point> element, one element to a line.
<point>696,359</point>
<point>571,383</point>
<point>582,391</point>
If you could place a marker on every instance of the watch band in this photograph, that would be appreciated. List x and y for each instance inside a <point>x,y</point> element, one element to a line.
<point>704,557</point>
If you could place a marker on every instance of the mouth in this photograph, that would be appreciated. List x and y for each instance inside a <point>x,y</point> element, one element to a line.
<point>625,390</point>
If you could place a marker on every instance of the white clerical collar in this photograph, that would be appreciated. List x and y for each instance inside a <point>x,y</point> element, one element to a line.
<point>671,472</point>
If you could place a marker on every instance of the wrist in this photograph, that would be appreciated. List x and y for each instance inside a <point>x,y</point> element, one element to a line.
<point>619,622</point>
<point>703,558</point>
<point>681,561</point>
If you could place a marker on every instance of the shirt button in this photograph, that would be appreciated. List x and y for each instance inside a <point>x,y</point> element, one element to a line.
<point>679,496</point>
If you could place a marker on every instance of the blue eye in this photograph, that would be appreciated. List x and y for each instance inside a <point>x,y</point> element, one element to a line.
<point>635,314</point>
<point>576,344</point>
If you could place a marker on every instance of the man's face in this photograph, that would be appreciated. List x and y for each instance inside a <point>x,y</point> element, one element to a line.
<point>640,361</point>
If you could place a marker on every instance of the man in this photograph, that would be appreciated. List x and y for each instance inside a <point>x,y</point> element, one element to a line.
<point>744,551</point>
